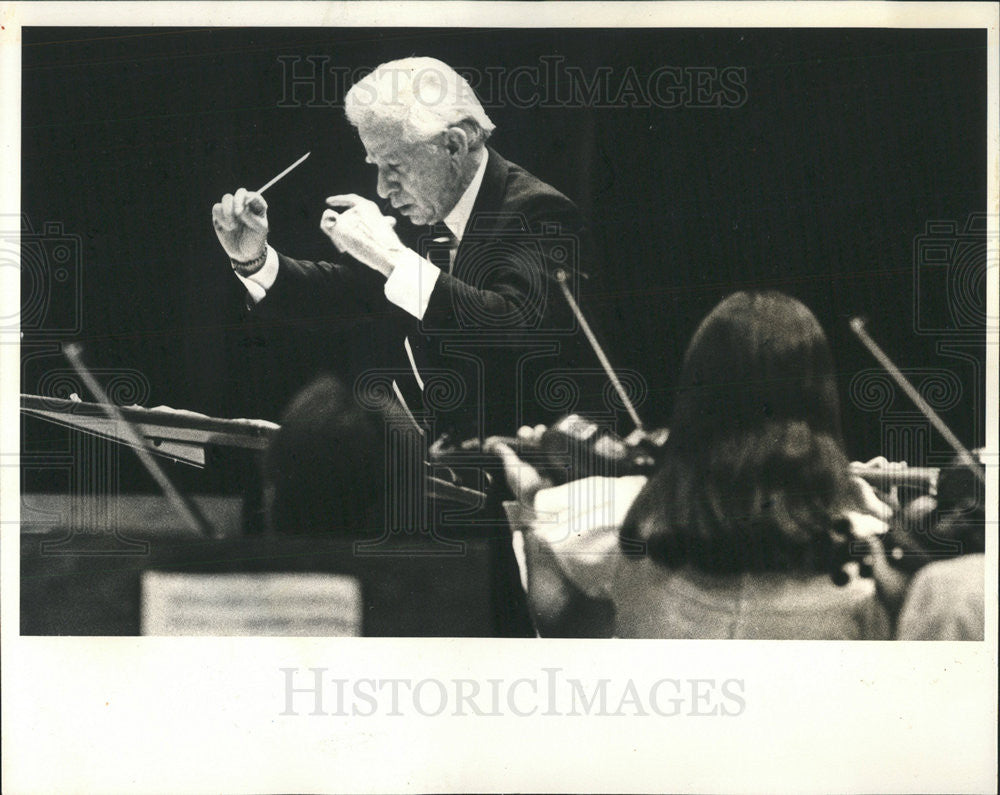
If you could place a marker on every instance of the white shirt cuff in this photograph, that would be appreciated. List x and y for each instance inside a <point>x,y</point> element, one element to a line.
<point>411,283</point>
<point>260,282</point>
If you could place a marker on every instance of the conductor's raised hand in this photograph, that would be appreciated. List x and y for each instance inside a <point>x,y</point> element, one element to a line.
<point>240,222</point>
<point>357,227</point>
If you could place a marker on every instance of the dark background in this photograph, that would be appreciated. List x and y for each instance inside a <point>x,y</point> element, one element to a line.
<point>821,184</point>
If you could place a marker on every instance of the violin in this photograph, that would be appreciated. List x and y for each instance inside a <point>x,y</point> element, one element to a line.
<point>941,515</point>
<point>947,520</point>
<point>572,448</point>
<point>939,524</point>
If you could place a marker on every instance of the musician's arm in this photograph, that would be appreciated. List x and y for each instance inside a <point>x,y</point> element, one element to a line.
<point>259,282</point>
<point>301,289</point>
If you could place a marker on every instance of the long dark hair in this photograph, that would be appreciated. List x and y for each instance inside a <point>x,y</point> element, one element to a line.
<point>753,473</point>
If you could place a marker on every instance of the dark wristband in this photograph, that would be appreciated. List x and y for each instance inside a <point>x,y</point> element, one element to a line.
<point>252,266</point>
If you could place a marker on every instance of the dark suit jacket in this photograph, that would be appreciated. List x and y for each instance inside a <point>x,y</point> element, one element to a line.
<point>497,346</point>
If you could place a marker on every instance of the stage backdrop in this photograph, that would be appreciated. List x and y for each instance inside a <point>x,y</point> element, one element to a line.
<point>845,167</point>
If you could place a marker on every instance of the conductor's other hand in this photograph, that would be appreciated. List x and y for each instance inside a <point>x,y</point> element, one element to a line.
<point>357,227</point>
<point>240,222</point>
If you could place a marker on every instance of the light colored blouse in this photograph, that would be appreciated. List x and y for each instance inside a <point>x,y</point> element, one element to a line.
<point>946,600</point>
<point>573,531</point>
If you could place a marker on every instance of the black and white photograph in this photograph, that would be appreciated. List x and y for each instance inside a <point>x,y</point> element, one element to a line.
<point>499,397</point>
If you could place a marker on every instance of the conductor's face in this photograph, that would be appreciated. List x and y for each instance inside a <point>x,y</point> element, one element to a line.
<point>421,180</point>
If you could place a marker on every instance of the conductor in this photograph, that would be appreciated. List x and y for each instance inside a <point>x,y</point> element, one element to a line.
<point>465,281</point>
<point>461,275</point>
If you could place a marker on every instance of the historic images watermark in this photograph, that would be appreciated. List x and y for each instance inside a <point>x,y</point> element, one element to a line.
<point>87,469</point>
<point>50,264</point>
<point>951,263</point>
<point>519,343</point>
<point>548,692</point>
<point>498,243</point>
<point>415,472</point>
<point>319,81</point>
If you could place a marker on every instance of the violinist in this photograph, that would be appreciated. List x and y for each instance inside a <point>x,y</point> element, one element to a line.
<point>935,585</point>
<point>732,535</point>
<point>944,600</point>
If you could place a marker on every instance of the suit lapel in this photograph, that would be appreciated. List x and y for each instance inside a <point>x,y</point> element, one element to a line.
<point>483,222</point>
<point>489,202</point>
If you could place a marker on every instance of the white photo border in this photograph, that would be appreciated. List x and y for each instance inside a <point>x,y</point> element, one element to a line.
<point>204,715</point>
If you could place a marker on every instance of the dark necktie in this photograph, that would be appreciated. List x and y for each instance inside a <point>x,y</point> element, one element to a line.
<point>442,248</point>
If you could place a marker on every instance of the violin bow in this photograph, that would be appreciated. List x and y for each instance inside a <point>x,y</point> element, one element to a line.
<point>184,507</point>
<point>968,460</point>
<point>561,279</point>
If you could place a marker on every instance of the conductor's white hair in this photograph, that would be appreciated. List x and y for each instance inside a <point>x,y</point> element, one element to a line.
<point>425,95</point>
